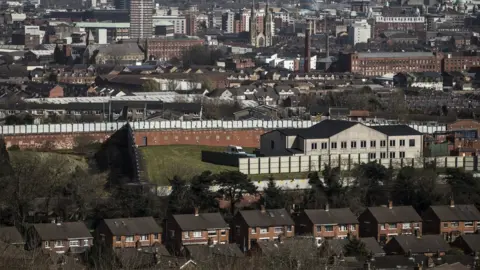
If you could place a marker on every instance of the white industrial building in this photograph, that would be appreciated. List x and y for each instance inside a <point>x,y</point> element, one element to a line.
<point>359,32</point>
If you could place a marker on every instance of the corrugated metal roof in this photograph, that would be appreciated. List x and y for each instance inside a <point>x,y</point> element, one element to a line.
<point>102,25</point>
<point>394,54</point>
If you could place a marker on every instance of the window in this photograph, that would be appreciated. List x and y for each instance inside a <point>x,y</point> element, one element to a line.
<point>382,227</point>
<point>118,238</point>
<point>86,243</point>
<point>324,145</point>
<point>383,143</point>
<point>74,243</point>
<point>402,142</point>
<point>329,228</point>
<point>363,144</point>
<point>263,230</point>
<point>392,143</point>
<point>197,234</point>
<point>223,232</point>
<point>383,155</point>
<point>373,144</point>
<point>212,233</point>
<point>58,243</point>
<point>278,229</point>
<point>406,226</point>
<point>411,142</point>
<point>319,228</point>
<point>333,145</point>
<point>47,244</point>
<point>344,145</point>
<point>454,224</point>
<point>392,154</point>
<point>343,228</point>
<point>468,223</point>
<point>353,228</point>
<point>392,226</point>
<point>144,237</point>
<point>272,144</point>
<point>314,146</point>
<point>372,155</point>
<point>445,225</point>
<point>353,144</point>
<point>129,238</point>
<point>155,236</point>
<point>253,230</point>
<point>289,228</point>
<point>402,154</point>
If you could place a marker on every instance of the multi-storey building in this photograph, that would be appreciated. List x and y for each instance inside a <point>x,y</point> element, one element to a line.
<point>252,226</point>
<point>323,224</point>
<point>166,48</point>
<point>228,22</point>
<point>359,32</point>
<point>129,232</point>
<point>401,24</point>
<point>196,229</point>
<point>460,61</point>
<point>383,223</point>
<point>381,63</point>
<point>179,22</point>
<point>141,24</point>
<point>451,221</point>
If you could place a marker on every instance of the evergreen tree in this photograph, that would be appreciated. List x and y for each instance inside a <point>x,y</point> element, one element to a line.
<point>355,248</point>
<point>179,200</point>
<point>200,193</point>
<point>233,185</point>
<point>273,197</point>
<point>58,55</point>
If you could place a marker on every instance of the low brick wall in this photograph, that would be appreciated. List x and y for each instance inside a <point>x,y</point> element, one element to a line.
<point>209,137</point>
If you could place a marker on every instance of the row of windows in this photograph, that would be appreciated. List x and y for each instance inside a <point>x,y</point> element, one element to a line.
<point>72,243</point>
<point>264,230</point>
<point>401,154</point>
<point>363,144</point>
<point>329,228</point>
<point>456,224</point>
<point>130,238</point>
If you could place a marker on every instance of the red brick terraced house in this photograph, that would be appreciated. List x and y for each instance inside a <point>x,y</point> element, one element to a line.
<point>72,237</point>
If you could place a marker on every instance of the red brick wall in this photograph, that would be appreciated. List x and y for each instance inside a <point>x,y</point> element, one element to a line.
<point>215,137</point>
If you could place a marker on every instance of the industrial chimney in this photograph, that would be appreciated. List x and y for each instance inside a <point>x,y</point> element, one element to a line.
<point>306,64</point>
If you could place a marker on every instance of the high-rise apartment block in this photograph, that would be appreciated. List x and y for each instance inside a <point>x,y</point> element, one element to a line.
<point>141,25</point>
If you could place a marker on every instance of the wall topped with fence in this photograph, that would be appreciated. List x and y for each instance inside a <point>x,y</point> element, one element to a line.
<point>186,125</point>
<point>305,163</point>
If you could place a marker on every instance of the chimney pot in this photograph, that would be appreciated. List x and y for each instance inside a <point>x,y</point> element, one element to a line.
<point>390,204</point>
<point>452,203</point>
<point>262,208</point>
<point>196,211</point>
<point>327,207</point>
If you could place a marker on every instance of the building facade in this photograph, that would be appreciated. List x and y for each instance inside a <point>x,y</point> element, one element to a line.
<point>261,28</point>
<point>359,32</point>
<point>141,21</point>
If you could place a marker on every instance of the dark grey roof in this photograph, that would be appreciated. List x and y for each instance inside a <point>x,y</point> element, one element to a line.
<point>62,231</point>
<point>396,214</point>
<point>324,129</point>
<point>426,243</point>
<point>131,226</point>
<point>294,246</point>
<point>471,240</point>
<point>202,252</point>
<point>457,213</point>
<point>270,217</point>
<point>332,216</point>
<point>371,245</point>
<point>11,235</point>
<point>396,130</point>
<point>204,221</point>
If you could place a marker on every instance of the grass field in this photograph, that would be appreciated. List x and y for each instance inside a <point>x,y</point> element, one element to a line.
<point>164,162</point>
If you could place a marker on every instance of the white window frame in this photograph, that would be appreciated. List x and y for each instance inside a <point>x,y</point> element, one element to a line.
<point>212,233</point>
<point>197,234</point>
<point>278,229</point>
<point>186,235</point>
<point>46,244</point>
<point>469,222</point>
<point>58,245</point>
<point>129,238</point>
<point>343,228</point>
<point>86,243</point>
<point>353,228</point>
<point>253,230</point>
<point>289,228</point>
<point>382,226</point>
<point>406,226</point>
<point>263,230</point>
<point>74,243</point>
<point>144,237</point>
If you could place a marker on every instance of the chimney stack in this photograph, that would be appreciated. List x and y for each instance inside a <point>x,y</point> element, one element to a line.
<point>452,202</point>
<point>390,204</point>
<point>327,207</point>
<point>262,208</point>
<point>196,211</point>
<point>306,65</point>
<point>327,41</point>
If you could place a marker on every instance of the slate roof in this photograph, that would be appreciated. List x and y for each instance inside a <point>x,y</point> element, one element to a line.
<point>332,216</point>
<point>471,240</point>
<point>270,217</point>
<point>201,252</point>
<point>371,245</point>
<point>394,215</point>
<point>465,212</point>
<point>131,226</point>
<point>426,243</point>
<point>62,231</point>
<point>11,235</point>
<point>324,129</point>
<point>396,130</point>
<point>204,221</point>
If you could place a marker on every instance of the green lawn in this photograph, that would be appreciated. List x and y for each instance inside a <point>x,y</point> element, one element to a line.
<point>164,162</point>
